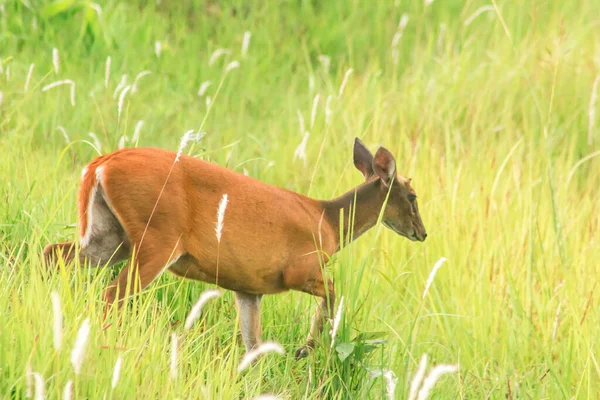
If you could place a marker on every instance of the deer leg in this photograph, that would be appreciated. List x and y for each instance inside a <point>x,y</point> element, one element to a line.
<point>57,251</point>
<point>323,311</point>
<point>248,306</point>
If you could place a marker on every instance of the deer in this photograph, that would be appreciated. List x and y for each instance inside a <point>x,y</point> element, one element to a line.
<point>156,209</point>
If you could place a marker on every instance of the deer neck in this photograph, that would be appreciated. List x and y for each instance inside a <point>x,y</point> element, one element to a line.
<point>355,212</point>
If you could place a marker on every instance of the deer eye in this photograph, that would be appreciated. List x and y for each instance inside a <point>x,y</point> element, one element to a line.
<point>412,197</point>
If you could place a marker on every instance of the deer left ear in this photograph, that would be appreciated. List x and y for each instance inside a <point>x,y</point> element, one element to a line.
<point>384,165</point>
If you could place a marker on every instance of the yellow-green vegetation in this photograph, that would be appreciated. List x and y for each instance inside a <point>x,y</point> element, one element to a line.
<point>489,107</point>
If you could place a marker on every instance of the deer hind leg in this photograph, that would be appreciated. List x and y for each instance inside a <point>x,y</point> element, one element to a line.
<point>57,251</point>
<point>248,306</point>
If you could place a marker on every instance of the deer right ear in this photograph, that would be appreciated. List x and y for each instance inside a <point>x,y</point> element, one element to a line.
<point>363,159</point>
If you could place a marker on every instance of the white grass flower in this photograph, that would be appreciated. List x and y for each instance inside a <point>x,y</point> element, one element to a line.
<point>203,87</point>
<point>78,353</point>
<point>313,115</point>
<point>336,321</point>
<point>246,43</point>
<point>117,372</point>
<point>58,321</point>
<point>403,22</point>
<point>428,3</point>
<point>232,65</point>
<point>437,266</point>
<point>328,112</point>
<point>59,83</point>
<point>345,81</point>
<point>418,378</point>
<point>28,381</point>
<point>197,308</point>
<point>122,83</point>
<point>592,109</point>
<point>300,151</point>
<point>174,356</point>
<point>26,87</point>
<point>136,80</point>
<point>477,13</point>
<point>221,217</point>
<point>64,133</point>
<point>252,355</point>
<point>96,8</point>
<point>216,54</point>
<point>157,48</point>
<point>188,137</point>
<point>325,61</point>
<point>136,132</point>
<point>435,374</point>
<point>96,141</point>
<point>390,386</point>
<point>301,122</point>
<point>122,100</point>
<point>107,72</point>
<point>124,139</point>
<point>40,386</point>
<point>55,60</point>
<point>207,101</point>
<point>68,391</point>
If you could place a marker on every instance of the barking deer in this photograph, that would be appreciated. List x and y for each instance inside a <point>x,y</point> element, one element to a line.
<point>158,211</point>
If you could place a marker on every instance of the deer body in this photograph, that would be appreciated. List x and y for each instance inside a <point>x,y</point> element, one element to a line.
<point>143,202</point>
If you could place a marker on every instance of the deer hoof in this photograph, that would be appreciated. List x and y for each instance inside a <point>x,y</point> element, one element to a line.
<point>302,352</point>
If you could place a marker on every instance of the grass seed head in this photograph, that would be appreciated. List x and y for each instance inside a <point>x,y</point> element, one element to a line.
<point>78,353</point>
<point>251,356</point>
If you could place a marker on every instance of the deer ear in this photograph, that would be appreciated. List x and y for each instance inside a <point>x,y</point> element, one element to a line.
<point>363,159</point>
<point>384,165</point>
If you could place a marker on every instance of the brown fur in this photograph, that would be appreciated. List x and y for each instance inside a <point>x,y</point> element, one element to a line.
<point>273,239</point>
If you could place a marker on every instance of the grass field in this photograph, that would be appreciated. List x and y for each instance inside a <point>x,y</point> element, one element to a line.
<point>489,107</point>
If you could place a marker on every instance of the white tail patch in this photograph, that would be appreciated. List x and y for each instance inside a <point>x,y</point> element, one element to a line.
<point>85,239</point>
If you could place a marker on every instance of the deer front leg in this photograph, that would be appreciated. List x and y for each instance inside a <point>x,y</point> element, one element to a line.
<point>248,306</point>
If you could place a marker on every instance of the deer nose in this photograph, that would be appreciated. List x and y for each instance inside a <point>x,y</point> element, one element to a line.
<point>424,236</point>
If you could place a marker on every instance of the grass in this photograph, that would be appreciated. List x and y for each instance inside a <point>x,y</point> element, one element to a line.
<point>489,118</point>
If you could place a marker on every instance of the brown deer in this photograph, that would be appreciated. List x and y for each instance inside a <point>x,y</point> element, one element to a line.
<point>158,210</point>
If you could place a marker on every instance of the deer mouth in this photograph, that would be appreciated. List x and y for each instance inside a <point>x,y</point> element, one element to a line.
<point>412,237</point>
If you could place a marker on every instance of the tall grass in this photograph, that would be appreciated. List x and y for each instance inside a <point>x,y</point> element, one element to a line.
<point>490,108</point>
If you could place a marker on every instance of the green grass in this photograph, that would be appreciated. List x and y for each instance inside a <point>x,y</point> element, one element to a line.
<point>490,120</point>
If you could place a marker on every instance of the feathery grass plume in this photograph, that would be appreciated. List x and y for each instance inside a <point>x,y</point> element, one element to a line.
<point>188,137</point>
<point>328,112</point>
<point>431,379</point>
<point>55,60</point>
<point>207,101</point>
<point>40,386</point>
<point>136,132</point>
<point>345,81</point>
<point>122,83</point>
<point>68,391</point>
<point>107,71</point>
<point>59,83</point>
<point>124,139</point>
<point>221,217</point>
<point>96,141</point>
<point>26,87</point>
<point>28,381</point>
<point>157,48</point>
<point>136,80</point>
<point>58,321</point>
<point>216,54</point>
<point>246,43</point>
<point>592,109</point>
<point>174,355</point>
<point>437,266</point>
<point>418,378</point>
<point>301,121</point>
<point>336,321</point>
<point>397,36</point>
<point>428,3</point>
<point>96,8</point>
<point>64,133</point>
<point>556,316</point>
<point>78,353</point>
<point>117,372</point>
<point>390,386</point>
<point>313,114</point>
<point>232,65</point>
<point>325,61</point>
<point>122,100</point>
<point>197,308</point>
<point>477,13</point>
<point>252,355</point>
<point>203,87</point>
<point>300,151</point>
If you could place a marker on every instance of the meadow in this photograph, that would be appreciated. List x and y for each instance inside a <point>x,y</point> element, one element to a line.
<point>490,108</point>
